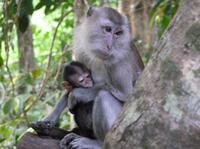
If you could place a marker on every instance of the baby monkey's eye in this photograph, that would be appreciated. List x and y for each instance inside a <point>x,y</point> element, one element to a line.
<point>87,76</point>
<point>81,79</point>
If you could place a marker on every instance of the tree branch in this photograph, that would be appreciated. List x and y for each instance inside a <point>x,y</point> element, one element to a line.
<point>47,70</point>
<point>7,48</point>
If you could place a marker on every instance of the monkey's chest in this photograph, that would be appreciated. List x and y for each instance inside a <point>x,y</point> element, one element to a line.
<point>99,73</point>
<point>83,116</point>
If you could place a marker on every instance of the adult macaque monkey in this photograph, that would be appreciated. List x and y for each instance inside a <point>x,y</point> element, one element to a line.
<point>102,43</point>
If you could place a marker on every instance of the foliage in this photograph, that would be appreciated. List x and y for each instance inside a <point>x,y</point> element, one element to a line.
<point>162,13</point>
<point>18,108</point>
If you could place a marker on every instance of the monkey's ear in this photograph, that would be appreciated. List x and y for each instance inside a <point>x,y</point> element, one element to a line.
<point>67,86</point>
<point>90,11</point>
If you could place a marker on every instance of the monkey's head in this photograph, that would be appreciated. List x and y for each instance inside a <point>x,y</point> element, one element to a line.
<point>103,34</point>
<point>76,74</point>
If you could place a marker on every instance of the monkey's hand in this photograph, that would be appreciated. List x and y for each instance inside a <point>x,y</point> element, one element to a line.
<point>81,95</point>
<point>65,142</point>
<point>74,141</point>
<point>67,86</point>
<point>116,93</point>
<point>42,128</point>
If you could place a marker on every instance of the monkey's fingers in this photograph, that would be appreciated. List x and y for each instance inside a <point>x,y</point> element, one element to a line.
<point>65,142</point>
<point>37,129</point>
<point>69,88</point>
<point>42,127</point>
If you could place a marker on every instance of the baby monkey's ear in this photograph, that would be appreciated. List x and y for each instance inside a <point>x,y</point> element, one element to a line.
<point>67,86</point>
<point>90,11</point>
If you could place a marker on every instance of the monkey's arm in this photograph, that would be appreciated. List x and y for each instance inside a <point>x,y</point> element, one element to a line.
<point>59,108</point>
<point>46,126</point>
<point>116,93</point>
<point>121,86</point>
<point>53,117</point>
<point>82,95</point>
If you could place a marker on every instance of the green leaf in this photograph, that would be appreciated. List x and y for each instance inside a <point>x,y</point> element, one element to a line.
<point>36,73</point>
<point>29,102</point>
<point>47,10</point>
<point>39,5</point>
<point>8,106</point>
<point>165,22</point>
<point>1,61</point>
<point>28,6</point>
<point>5,132</point>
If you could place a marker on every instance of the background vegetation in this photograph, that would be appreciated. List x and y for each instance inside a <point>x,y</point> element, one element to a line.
<point>35,39</point>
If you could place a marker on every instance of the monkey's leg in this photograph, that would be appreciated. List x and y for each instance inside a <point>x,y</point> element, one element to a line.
<point>53,132</point>
<point>105,111</point>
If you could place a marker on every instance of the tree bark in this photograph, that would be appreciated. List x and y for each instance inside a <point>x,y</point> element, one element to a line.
<point>80,7</point>
<point>33,141</point>
<point>103,2</point>
<point>26,53</point>
<point>164,110</point>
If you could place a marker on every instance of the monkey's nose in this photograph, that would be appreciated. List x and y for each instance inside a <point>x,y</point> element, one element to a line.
<point>109,42</point>
<point>109,47</point>
<point>105,53</point>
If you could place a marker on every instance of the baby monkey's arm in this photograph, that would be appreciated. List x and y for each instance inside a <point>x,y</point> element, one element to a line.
<point>83,95</point>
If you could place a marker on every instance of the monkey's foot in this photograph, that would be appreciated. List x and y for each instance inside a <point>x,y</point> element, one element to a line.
<point>42,127</point>
<point>74,141</point>
<point>65,142</point>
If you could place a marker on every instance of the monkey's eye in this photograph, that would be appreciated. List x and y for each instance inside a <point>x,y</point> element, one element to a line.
<point>118,33</point>
<point>107,29</point>
<point>87,76</point>
<point>81,79</point>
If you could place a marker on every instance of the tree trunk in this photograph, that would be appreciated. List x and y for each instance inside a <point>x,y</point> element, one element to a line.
<point>137,12</point>
<point>164,110</point>
<point>26,53</point>
<point>80,7</point>
<point>103,2</point>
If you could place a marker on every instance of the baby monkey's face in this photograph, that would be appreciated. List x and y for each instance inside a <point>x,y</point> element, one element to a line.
<point>77,75</point>
<point>85,80</point>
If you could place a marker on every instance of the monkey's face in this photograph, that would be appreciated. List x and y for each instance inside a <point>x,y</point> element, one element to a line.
<point>81,78</point>
<point>108,35</point>
<point>85,80</point>
<point>77,75</point>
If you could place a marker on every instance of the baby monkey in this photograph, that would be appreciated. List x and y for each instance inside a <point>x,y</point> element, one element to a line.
<point>76,77</point>
<point>77,80</point>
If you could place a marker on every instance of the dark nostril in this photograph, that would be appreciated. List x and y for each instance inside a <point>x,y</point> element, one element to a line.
<point>108,47</point>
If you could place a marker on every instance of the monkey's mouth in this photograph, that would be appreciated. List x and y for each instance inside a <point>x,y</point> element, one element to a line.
<point>102,54</point>
<point>89,83</point>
